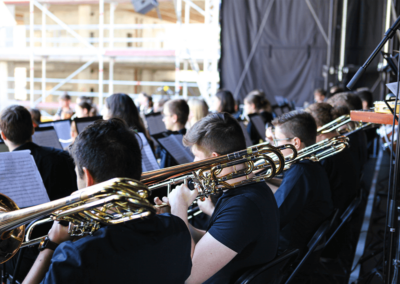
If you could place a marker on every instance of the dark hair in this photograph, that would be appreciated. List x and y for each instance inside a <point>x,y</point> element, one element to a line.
<point>324,113</point>
<point>350,100</point>
<point>35,114</point>
<point>180,108</point>
<point>321,91</point>
<point>366,96</point>
<point>85,99</point>
<point>299,124</point>
<point>85,105</point>
<point>16,124</point>
<point>108,149</point>
<point>149,99</point>
<point>65,97</point>
<point>227,101</point>
<point>257,97</point>
<point>217,132</point>
<point>122,106</point>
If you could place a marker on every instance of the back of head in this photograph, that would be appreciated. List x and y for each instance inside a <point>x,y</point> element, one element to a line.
<point>257,97</point>
<point>35,114</point>
<point>324,113</point>
<point>335,90</point>
<point>108,149</point>
<point>198,108</point>
<point>227,101</point>
<point>217,132</point>
<point>65,97</point>
<point>85,105</point>
<point>16,124</point>
<point>122,106</point>
<point>350,100</point>
<point>299,124</point>
<point>366,95</point>
<point>180,108</point>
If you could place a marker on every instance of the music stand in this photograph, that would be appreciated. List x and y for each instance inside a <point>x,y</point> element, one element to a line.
<point>172,143</point>
<point>155,123</point>
<point>83,122</point>
<point>259,124</point>
<point>63,129</point>
<point>46,137</point>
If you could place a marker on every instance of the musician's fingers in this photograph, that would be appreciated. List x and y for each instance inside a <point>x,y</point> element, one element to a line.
<point>165,200</point>
<point>157,201</point>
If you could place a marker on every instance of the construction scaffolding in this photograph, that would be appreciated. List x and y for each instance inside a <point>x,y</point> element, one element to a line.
<point>186,43</point>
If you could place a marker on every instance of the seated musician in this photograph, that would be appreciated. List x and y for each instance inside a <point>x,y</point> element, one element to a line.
<point>175,113</point>
<point>358,140</point>
<point>243,230</point>
<point>55,166</point>
<point>151,250</point>
<point>341,170</point>
<point>304,197</point>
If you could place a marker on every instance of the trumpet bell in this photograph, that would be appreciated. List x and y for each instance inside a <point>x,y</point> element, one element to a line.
<point>10,241</point>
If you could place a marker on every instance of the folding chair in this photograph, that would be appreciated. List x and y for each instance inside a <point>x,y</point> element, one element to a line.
<point>268,273</point>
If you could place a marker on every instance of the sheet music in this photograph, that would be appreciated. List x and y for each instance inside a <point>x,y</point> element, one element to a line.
<point>173,144</point>
<point>246,134</point>
<point>63,130</point>
<point>259,125</point>
<point>149,162</point>
<point>20,179</point>
<point>46,138</point>
<point>155,124</point>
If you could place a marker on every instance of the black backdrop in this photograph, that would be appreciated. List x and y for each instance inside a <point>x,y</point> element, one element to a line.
<point>290,56</point>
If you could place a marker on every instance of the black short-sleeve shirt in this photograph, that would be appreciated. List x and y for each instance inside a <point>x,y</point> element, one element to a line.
<point>246,220</point>
<point>155,250</point>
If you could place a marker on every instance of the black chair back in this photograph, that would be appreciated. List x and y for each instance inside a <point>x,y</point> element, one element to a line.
<point>315,242</point>
<point>268,273</point>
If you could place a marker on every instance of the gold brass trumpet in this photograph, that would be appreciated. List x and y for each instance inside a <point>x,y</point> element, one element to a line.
<point>111,202</point>
<point>205,173</point>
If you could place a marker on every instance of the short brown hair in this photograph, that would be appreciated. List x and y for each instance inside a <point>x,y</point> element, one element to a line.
<point>180,108</point>
<point>16,124</point>
<point>350,100</point>
<point>299,124</point>
<point>217,132</point>
<point>324,113</point>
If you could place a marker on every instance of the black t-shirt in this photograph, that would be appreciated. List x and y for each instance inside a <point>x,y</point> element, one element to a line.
<point>304,201</point>
<point>246,220</point>
<point>343,178</point>
<point>155,250</point>
<point>359,150</point>
<point>56,168</point>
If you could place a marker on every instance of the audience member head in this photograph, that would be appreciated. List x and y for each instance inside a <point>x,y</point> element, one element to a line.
<point>106,150</point>
<point>350,100</point>
<point>214,135</point>
<point>122,106</point>
<point>255,102</point>
<point>319,95</point>
<point>16,126</point>
<point>198,109</point>
<point>176,113</point>
<point>295,127</point>
<point>36,116</point>
<point>224,102</point>
<point>83,109</point>
<point>325,113</point>
<point>366,99</point>
<point>65,101</point>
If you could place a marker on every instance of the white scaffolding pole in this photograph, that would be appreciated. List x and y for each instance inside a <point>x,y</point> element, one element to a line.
<point>343,41</point>
<point>177,51</point>
<point>101,56</point>
<point>44,59</point>
<point>111,46</point>
<point>31,59</point>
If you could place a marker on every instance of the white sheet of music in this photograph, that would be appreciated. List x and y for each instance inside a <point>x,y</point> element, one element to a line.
<point>155,124</point>
<point>47,138</point>
<point>173,144</point>
<point>149,162</point>
<point>246,134</point>
<point>20,179</point>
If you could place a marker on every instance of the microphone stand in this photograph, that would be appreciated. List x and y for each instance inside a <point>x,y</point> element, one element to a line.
<point>388,35</point>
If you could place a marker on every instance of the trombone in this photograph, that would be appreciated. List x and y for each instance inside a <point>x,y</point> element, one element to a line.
<point>337,124</point>
<point>111,202</point>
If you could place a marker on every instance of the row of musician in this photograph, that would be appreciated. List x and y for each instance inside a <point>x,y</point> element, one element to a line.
<point>256,217</point>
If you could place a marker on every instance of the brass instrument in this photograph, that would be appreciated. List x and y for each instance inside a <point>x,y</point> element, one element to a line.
<point>262,157</point>
<point>343,126</point>
<point>111,202</point>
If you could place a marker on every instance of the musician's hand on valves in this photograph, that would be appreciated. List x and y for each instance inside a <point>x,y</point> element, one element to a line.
<point>182,196</point>
<point>163,204</point>
<point>59,233</point>
<point>206,206</point>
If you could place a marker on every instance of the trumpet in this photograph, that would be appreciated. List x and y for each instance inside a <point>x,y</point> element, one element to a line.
<point>111,202</point>
<point>204,174</point>
<point>343,125</point>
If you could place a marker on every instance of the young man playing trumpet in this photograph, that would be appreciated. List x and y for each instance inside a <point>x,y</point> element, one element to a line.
<point>243,230</point>
<point>129,252</point>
